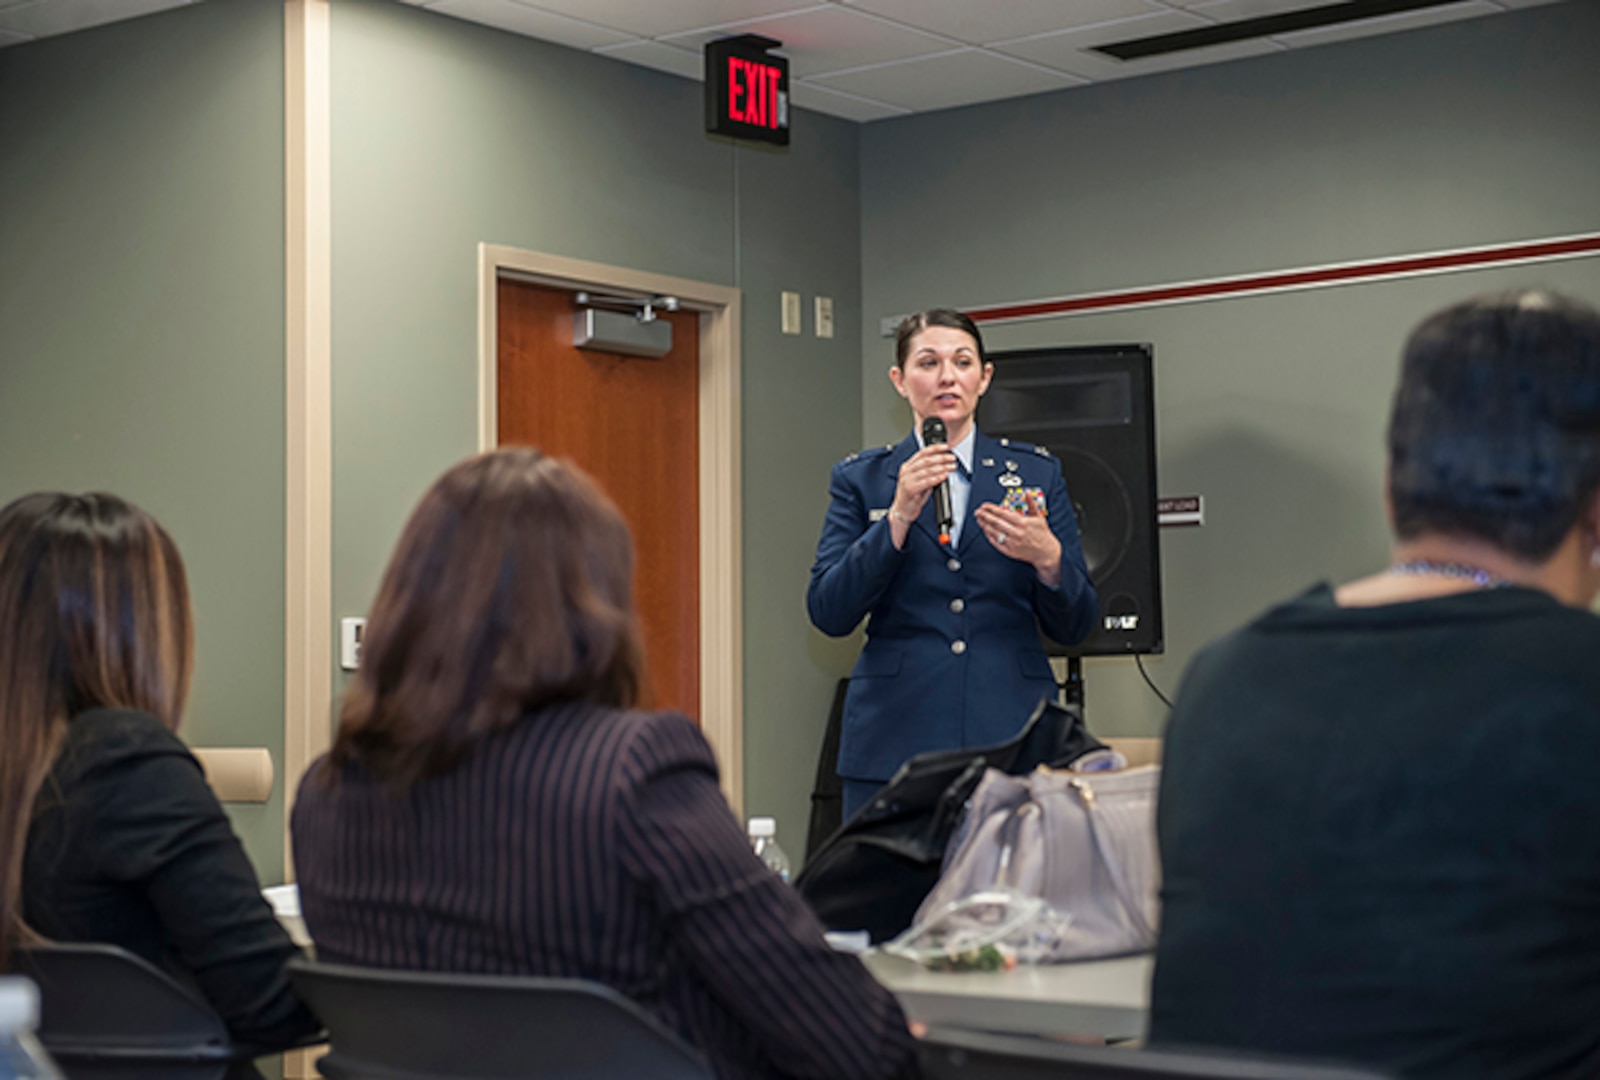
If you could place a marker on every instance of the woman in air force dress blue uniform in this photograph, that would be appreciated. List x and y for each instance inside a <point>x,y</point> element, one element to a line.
<point>953,655</point>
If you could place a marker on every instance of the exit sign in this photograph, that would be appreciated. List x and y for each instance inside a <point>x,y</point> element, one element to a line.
<point>747,90</point>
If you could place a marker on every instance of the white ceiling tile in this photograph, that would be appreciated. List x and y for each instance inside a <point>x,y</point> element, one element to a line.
<point>1236,10</point>
<point>829,39</point>
<point>979,23</point>
<point>849,57</point>
<point>654,54</point>
<point>43,18</point>
<point>658,18</point>
<point>848,106</point>
<point>532,22</point>
<point>1063,50</point>
<point>961,77</point>
<point>1070,51</point>
<point>1387,24</point>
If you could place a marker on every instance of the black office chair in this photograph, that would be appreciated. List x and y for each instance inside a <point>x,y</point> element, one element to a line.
<point>405,1025</point>
<point>958,1054</point>
<point>106,1014</point>
<point>827,792</point>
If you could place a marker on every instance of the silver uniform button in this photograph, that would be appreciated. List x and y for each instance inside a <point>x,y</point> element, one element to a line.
<point>953,565</point>
<point>958,605</point>
<point>958,646</point>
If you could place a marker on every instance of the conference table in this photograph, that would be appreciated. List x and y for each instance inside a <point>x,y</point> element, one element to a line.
<point>1096,998</point>
<point>1106,998</point>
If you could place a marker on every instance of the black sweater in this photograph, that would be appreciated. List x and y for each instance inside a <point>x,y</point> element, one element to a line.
<point>1380,834</point>
<point>129,846</point>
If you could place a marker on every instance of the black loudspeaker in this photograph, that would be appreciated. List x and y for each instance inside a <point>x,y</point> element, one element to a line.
<point>1094,408</point>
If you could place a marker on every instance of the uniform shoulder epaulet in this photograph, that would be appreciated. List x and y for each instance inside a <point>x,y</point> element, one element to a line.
<point>871,453</point>
<point>1022,447</point>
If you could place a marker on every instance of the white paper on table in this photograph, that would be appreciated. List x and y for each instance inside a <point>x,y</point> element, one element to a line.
<point>285,900</point>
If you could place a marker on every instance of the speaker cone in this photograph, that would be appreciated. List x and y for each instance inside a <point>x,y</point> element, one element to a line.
<point>1105,512</point>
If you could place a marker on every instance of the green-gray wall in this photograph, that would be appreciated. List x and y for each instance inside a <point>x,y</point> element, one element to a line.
<point>142,306</point>
<point>1272,407</point>
<point>141,290</point>
<point>142,322</point>
<point>447,134</point>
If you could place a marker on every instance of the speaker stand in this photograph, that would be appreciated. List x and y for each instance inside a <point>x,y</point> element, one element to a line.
<point>1072,689</point>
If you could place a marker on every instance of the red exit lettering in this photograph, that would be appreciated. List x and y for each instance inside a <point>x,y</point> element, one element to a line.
<point>736,88</point>
<point>773,75</point>
<point>757,84</point>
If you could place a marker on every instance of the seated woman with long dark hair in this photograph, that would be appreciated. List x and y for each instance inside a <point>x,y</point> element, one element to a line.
<point>495,804</point>
<point>108,830</point>
<point>1380,810</point>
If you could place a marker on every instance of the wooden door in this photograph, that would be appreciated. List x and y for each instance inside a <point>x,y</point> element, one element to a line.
<point>633,425</point>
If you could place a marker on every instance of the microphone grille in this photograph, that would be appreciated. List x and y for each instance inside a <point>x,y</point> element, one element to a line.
<point>933,431</point>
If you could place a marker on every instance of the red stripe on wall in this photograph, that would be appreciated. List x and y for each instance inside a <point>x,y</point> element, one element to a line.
<point>1570,247</point>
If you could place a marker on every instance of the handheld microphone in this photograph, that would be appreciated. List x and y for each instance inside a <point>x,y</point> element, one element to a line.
<point>933,432</point>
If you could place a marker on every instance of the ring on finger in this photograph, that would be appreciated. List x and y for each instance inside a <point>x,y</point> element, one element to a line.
<point>1001,539</point>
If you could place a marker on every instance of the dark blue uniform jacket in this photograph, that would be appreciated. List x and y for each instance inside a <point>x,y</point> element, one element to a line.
<point>953,655</point>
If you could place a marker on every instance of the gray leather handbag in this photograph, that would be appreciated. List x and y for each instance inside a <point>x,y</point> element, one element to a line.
<point>1084,842</point>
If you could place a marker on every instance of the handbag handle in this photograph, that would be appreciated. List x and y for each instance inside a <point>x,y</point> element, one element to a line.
<point>1008,844</point>
<point>1119,883</point>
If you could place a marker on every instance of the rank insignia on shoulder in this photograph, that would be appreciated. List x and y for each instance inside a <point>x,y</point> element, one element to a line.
<point>868,454</point>
<point>1041,451</point>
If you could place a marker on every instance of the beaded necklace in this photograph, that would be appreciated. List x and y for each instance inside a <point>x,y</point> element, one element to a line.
<point>1480,577</point>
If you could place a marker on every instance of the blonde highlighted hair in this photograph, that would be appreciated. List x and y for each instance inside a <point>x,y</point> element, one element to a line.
<point>96,614</point>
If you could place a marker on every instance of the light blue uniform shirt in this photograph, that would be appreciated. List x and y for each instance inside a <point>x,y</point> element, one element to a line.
<point>960,482</point>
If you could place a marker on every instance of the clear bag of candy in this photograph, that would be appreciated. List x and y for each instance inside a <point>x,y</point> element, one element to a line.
<point>984,931</point>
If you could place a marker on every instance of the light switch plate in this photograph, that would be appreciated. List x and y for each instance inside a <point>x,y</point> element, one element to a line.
<point>825,316</point>
<point>791,313</point>
<point>351,631</point>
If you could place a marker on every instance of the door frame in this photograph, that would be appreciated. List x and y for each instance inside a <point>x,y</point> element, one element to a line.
<point>721,577</point>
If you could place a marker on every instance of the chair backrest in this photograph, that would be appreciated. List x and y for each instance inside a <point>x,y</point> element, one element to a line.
<point>106,1013</point>
<point>827,792</point>
<point>404,1025</point>
<point>957,1054</point>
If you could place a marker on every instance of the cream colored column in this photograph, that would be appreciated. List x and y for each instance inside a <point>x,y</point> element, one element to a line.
<point>308,604</point>
<point>308,547</point>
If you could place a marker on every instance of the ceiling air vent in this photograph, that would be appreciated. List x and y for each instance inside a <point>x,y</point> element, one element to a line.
<point>1311,18</point>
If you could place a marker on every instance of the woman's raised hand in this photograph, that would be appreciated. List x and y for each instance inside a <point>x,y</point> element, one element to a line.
<point>921,473</point>
<point>1024,537</point>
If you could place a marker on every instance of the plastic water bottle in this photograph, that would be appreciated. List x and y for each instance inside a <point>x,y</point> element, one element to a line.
<point>764,838</point>
<point>21,1057</point>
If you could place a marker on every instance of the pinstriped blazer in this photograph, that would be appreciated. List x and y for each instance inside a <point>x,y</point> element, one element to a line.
<point>593,843</point>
